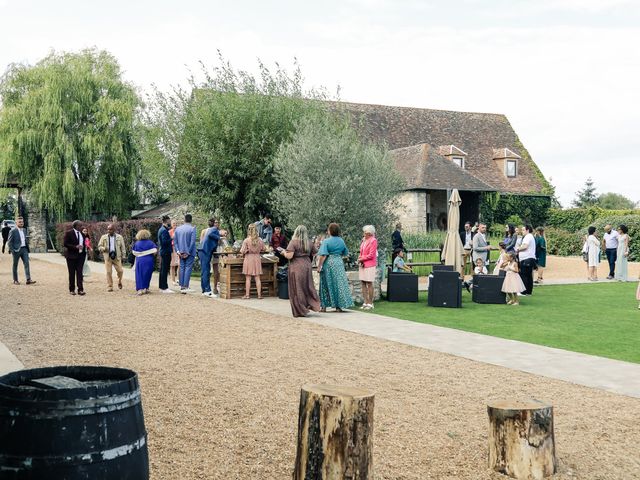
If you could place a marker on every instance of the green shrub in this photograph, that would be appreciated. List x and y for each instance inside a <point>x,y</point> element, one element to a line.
<point>563,243</point>
<point>574,219</point>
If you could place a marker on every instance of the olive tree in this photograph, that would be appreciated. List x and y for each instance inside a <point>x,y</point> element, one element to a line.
<point>327,174</point>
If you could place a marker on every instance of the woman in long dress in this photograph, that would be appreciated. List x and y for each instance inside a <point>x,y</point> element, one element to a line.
<point>622,272</point>
<point>334,285</point>
<point>302,293</point>
<point>252,247</point>
<point>86,271</point>
<point>593,254</point>
<point>144,250</point>
<point>541,253</point>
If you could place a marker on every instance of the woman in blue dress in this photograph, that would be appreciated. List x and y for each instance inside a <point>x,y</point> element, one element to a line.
<point>334,285</point>
<point>144,250</point>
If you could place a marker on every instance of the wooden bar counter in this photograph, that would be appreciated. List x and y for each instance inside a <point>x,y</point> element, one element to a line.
<point>232,281</point>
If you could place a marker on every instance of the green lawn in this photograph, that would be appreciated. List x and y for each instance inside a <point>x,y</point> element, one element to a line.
<point>598,319</point>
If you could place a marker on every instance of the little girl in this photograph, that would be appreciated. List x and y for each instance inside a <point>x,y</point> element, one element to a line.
<point>512,284</point>
<point>501,258</point>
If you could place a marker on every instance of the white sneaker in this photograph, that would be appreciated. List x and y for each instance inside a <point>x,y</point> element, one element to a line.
<point>183,291</point>
<point>215,295</point>
<point>167,291</point>
<point>188,290</point>
<point>207,294</point>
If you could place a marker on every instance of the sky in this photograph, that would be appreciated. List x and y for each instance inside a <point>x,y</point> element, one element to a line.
<point>566,73</point>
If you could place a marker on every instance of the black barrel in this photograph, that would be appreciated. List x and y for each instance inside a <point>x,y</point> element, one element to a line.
<point>72,423</point>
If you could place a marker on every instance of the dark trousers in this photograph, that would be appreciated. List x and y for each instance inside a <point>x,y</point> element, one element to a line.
<point>165,264</point>
<point>24,255</point>
<point>526,273</point>
<point>4,243</point>
<point>74,267</point>
<point>205,271</point>
<point>612,256</point>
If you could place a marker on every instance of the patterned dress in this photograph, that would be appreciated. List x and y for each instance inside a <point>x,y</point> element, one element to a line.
<point>334,285</point>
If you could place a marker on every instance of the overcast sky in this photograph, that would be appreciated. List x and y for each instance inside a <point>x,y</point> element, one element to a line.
<point>565,72</point>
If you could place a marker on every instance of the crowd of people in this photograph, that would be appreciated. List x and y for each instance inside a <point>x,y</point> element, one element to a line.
<point>521,253</point>
<point>177,250</point>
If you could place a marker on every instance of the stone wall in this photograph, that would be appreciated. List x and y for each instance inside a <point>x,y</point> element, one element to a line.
<point>36,221</point>
<point>413,210</point>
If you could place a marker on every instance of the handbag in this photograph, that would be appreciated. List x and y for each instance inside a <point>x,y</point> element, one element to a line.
<point>131,258</point>
<point>112,255</point>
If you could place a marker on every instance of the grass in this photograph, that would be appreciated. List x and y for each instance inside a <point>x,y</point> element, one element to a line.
<point>597,319</point>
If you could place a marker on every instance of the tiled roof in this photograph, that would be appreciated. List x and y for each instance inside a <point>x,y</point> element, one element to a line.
<point>424,168</point>
<point>477,134</point>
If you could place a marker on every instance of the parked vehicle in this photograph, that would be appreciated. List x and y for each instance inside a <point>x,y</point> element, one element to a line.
<point>10,223</point>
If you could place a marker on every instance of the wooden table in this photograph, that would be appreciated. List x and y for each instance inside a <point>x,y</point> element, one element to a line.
<point>232,280</point>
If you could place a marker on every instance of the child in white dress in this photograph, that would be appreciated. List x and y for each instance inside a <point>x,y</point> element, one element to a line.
<point>512,284</point>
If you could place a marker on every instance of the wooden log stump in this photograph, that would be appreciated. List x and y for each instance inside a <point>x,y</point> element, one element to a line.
<point>521,441</point>
<point>335,434</point>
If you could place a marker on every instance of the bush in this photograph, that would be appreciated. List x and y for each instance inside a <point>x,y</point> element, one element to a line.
<point>631,221</point>
<point>574,219</point>
<point>127,228</point>
<point>563,243</point>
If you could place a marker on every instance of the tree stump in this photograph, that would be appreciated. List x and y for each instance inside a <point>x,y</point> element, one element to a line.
<point>521,441</point>
<point>335,434</point>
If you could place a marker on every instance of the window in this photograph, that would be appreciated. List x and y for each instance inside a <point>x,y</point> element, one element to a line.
<point>512,168</point>
<point>459,161</point>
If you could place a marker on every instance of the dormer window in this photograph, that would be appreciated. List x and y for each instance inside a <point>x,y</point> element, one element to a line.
<point>507,161</point>
<point>459,161</point>
<point>454,154</point>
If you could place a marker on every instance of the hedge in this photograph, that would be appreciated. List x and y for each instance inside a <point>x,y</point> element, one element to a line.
<point>563,243</point>
<point>574,219</point>
<point>127,228</point>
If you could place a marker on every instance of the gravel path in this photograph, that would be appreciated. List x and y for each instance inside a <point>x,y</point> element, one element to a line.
<point>221,386</point>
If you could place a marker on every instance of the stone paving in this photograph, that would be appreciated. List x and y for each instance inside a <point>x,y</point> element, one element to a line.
<point>588,370</point>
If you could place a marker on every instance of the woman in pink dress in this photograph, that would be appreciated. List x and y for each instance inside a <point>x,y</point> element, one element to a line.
<point>251,248</point>
<point>512,284</point>
<point>368,260</point>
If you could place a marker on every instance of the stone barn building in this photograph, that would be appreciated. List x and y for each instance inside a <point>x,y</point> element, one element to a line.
<point>437,151</point>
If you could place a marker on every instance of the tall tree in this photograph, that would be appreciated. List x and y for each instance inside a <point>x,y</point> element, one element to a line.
<point>328,175</point>
<point>67,132</point>
<point>233,126</point>
<point>615,201</point>
<point>587,196</point>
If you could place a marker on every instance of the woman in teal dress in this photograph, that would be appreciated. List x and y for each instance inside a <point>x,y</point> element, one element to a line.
<point>541,253</point>
<point>334,285</point>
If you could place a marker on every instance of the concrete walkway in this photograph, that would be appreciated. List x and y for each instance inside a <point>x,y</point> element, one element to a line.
<point>588,370</point>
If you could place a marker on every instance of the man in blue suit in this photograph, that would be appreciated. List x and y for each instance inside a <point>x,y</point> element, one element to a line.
<point>208,245</point>
<point>184,240</point>
<point>166,248</point>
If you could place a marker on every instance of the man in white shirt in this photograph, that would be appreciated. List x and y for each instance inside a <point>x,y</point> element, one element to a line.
<point>527,256</point>
<point>19,247</point>
<point>610,245</point>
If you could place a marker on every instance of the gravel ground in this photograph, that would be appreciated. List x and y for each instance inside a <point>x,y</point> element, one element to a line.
<point>564,268</point>
<point>221,384</point>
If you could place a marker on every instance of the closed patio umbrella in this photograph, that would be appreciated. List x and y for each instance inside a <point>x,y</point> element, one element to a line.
<point>453,249</point>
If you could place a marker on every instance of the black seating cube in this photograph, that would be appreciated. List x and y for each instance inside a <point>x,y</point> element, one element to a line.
<point>488,289</point>
<point>402,287</point>
<point>445,289</point>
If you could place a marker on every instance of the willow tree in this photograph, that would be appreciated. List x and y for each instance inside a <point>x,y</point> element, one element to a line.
<point>67,133</point>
